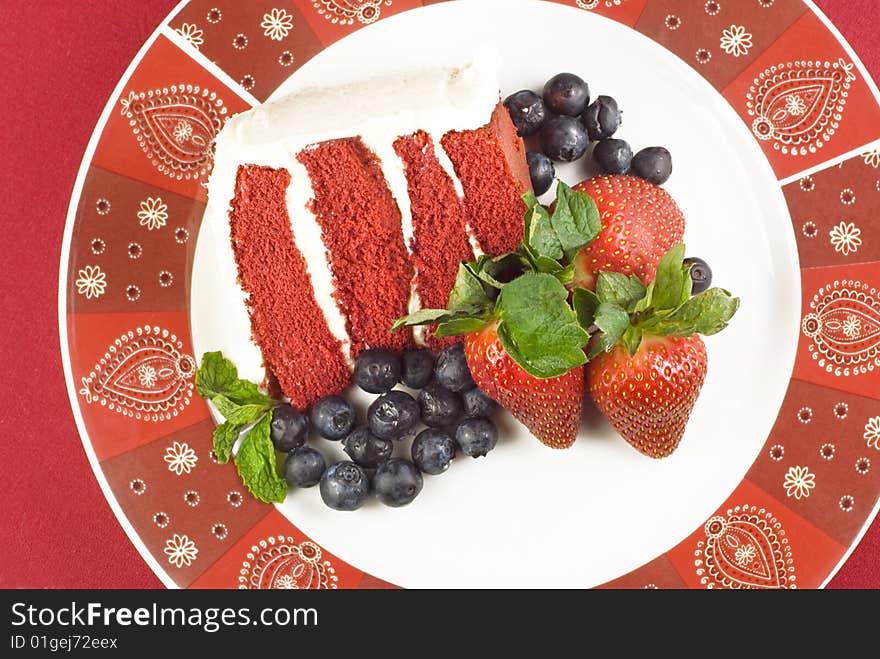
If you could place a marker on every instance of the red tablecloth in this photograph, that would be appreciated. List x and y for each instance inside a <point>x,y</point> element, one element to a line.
<point>60,62</point>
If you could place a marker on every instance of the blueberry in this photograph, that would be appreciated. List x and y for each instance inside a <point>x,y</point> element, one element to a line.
<point>397,482</point>
<point>527,112</point>
<point>566,93</point>
<point>393,415</point>
<point>289,428</point>
<point>366,449</point>
<point>433,450</point>
<point>377,370</point>
<point>418,367</point>
<point>653,164</point>
<point>541,171</point>
<point>476,437</point>
<point>602,118</point>
<point>345,486</point>
<point>440,407</point>
<point>451,370</point>
<point>476,403</point>
<point>304,466</point>
<point>564,139</point>
<point>701,274</point>
<point>332,417</point>
<point>613,156</point>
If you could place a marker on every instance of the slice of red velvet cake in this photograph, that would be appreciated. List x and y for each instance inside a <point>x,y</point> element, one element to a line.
<point>347,208</point>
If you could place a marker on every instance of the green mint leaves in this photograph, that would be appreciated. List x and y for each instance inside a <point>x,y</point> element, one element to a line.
<point>218,376</point>
<point>248,413</point>
<point>256,464</point>
<point>623,310</point>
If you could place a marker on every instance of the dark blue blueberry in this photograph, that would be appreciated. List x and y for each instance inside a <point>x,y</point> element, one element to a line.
<point>476,403</point>
<point>602,118</point>
<point>418,367</point>
<point>345,486</point>
<point>541,171</point>
<point>451,370</point>
<point>566,93</point>
<point>701,274</point>
<point>289,428</point>
<point>332,417</point>
<point>440,407</point>
<point>366,449</point>
<point>476,437</point>
<point>397,482</point>
<point>433,450</point>
<point>377,370</point>
<point>613,156</point>
<point>393,415</point>
<point>564,139</point>
<point>304,466</point>
<point>527,112</point>
<point>654,164</point>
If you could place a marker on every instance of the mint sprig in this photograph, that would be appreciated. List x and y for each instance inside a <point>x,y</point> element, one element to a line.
<point>623,310</point>
<point>248,413</point>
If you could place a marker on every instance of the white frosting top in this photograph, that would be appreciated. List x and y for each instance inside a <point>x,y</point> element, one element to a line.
<point>378,110</point>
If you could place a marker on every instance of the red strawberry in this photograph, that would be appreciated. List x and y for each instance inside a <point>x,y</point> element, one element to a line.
<point>648,397</point>
<point>640,223</point>
<point>550,408</point>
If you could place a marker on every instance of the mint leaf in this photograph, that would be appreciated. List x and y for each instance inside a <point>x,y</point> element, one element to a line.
<point>468,290</point>
<point>619,289</point>
<point>217,376</point>
<point>575,219</point>
<point>670,281</point>
<point>613,321</point>
<point>706,313</point>
<point>244,392</point>
<point>246,414</point>
<point>542,237</point>
<point>540,330</point>
<point>224,439</point>
<point>585,303</point>
<point>632,338</point>
<point>458,326</point>
<point>256,464</point>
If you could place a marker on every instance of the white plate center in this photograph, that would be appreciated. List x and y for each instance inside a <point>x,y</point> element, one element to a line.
<point>528,516</point>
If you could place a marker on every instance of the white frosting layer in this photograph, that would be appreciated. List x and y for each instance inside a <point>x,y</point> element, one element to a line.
<point>378,110</point>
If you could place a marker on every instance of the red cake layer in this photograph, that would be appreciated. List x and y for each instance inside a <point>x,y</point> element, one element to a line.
<point>361,228</point>
<point>440,240</point>
<point>491,164</point>
<point>298,347</point>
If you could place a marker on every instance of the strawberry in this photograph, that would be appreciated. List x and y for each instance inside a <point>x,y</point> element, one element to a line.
<point>550,408</point>
<point>648,397</point>
<point>640,223</point>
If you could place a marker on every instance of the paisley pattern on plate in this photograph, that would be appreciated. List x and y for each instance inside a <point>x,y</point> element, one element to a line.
<point>136,212</point>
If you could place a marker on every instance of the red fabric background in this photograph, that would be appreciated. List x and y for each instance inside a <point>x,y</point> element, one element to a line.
<point>60,62</point>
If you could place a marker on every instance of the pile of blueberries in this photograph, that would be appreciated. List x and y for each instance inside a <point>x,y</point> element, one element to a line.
<point>455,412</point>
<point>565,123</point>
